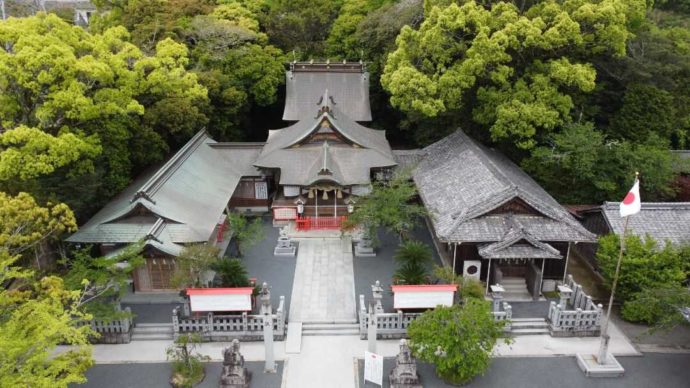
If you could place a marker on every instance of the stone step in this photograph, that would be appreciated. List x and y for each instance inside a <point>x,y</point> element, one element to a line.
<point>511,281</point>
<point>330,326</point>
<point>329,321</point>
<point>151,336</point>
<point>517,332</point>
<point>529,325</point>
<point>333,332</point>
<point>152,328</point>
<point>514,320</point>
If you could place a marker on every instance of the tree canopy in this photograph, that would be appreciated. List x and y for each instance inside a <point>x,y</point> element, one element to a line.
<point>86,105</point>
<point>515,71</point>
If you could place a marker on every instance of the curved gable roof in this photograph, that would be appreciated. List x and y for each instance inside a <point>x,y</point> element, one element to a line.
<point>460,181</point>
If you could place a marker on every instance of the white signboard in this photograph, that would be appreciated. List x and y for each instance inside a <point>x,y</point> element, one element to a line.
<point>202,301</point>
<point>426,296</point>
<point>373,368</point>
<point>260,190</point>
<point>284,213</point>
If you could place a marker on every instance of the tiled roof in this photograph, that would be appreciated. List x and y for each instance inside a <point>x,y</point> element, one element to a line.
<point>461,181</point>
<point>299,162</point>
<point>305,83</point>
<point>189,192</point>
<point>408,159</point>
<point>665,221</point>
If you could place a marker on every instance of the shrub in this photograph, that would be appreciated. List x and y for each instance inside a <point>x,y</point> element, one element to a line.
<point>412,258</point>
<point>188,369</point>
<point>645,264</point>
<point>231,273</point>
<point>458,340</point>
<point>660,307</point>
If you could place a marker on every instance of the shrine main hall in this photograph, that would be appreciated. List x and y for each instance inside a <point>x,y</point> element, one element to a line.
<point>490,220</point>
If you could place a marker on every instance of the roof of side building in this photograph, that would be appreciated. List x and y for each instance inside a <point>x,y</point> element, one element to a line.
<point>664,221</point>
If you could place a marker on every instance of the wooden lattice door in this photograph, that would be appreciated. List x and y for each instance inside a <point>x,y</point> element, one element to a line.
<point>160,271</point>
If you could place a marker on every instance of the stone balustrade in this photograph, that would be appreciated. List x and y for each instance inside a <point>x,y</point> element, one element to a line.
<point>575,315</point>
<point>117,331</point>
<point>244,327</point>
<point>394,325</point>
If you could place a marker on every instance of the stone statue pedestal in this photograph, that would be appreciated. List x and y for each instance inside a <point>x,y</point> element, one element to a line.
<point>363,248</point>
<point>404,374</point>
<point>285,246</point>
<point>234,374</point>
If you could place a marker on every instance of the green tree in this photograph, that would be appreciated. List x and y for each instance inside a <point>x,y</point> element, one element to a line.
<point>25,226</point>
<point>515,71</point>
<point>231,273</point>
<point>245,232</point>
<point>72,102</point>
<point>389,205</point>
<point>645,265</point>
<point>661,307</point>
<point>192,263</point>
<point>413,258</point>
<point>101,280</point>
<point>34,319</point>
<point>458,340</point>
<point>188,367</point>
<point>300,25</point>
<point>581,165</point>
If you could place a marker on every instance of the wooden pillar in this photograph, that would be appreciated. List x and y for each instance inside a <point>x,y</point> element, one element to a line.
<point>488,276</point>
<point>567,258</point>
<point>455,252</point>
<point>541,277</point>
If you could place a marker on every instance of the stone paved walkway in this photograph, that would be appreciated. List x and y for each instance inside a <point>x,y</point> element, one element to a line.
<point>323,287</point>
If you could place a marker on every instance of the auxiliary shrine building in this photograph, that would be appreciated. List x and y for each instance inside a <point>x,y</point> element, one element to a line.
<point>489,217</point>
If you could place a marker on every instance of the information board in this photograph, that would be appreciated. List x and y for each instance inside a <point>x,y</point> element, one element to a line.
<point>423,296</point>
<point>220,299</point>
<point>373,368</point>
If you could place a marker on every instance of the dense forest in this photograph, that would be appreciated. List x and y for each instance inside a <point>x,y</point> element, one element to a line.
<point>580,93</point>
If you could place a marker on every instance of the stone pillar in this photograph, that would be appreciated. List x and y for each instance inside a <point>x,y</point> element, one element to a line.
<point>377,292</point>
<point>564,292</point>
<point>265,299</point>
<point>186,309</point>
<point>371,330</point>
<point>270,366</point>
<point>497,297</point>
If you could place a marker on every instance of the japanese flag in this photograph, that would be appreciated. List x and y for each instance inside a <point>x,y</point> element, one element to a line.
<point>631,203</point>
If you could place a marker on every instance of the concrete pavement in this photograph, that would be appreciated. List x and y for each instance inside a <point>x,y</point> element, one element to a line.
<point>323,288</point>
<point>328,361</point>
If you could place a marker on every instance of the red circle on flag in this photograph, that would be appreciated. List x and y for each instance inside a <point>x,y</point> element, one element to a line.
<point>630,198</point>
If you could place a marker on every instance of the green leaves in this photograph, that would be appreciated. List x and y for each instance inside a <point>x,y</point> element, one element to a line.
<point>27,153</point>
<point>458,340</point>
<point>517,71</point>
<point>413,258</point>
<point>646,264</point>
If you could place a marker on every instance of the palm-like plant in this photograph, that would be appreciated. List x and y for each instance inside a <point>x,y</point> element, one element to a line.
<point>412,257</point>
<point>231,273</point>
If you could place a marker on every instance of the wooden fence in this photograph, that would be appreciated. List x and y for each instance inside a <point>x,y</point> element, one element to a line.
<point>245,327</point>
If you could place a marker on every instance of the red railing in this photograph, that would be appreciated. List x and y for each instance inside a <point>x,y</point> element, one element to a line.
<point>324,223</point>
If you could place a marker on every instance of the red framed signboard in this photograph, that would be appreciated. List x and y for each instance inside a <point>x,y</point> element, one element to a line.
<point>423,296</point>
<point>220,299</point>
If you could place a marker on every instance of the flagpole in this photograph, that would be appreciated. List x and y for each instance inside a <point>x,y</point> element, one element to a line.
<point>605,337</point>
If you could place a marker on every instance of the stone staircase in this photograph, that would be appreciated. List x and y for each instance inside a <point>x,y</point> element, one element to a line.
<point>337,327</point>
<point>152,331</point>
<point>528,326</point>
<point>516,289</point>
